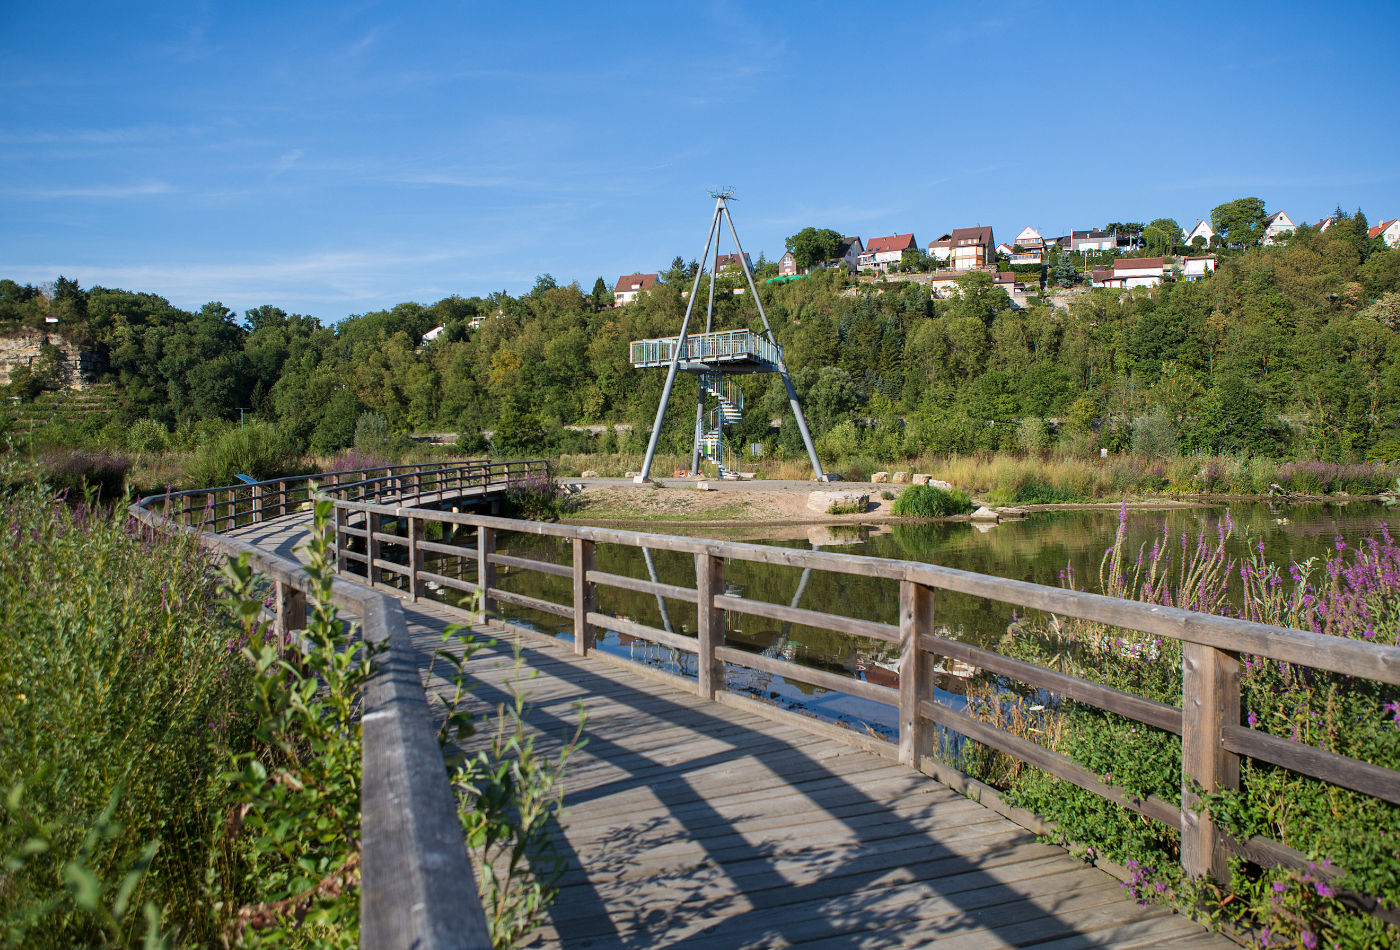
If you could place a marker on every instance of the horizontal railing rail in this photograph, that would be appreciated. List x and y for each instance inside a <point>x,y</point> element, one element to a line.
<point>705,347</point>
<point>227,507</point>
<point>1208,719</point>
<point>417,884</point>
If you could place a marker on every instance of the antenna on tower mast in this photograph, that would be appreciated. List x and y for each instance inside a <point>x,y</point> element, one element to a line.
<point>723,191</point>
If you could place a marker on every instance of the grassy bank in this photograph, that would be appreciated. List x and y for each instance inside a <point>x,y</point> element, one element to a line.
<point>1047,479</point>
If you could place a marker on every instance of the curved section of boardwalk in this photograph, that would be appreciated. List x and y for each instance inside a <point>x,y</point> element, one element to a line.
<point>691,824</point>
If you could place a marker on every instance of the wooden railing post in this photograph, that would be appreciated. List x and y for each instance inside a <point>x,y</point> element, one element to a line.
<point>371,546</point>
<point>709,584</point>
<point>485,571</point>
<point>915,671</point>
<point>415,558</point>
<point>585,596</point>
<point>283,502</point>
<point>339,518</point>
<point>1210,699</point>
<point>290,606</point>
<point>257,503</point>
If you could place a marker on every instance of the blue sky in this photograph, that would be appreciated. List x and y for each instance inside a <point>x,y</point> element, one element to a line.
<point>342,157</point>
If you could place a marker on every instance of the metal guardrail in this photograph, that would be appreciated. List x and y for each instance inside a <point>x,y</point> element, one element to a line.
<point>724,346</point>
<point>417,884</point>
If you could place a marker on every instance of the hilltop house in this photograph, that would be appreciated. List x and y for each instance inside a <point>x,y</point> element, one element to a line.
<point>882,252</point>
<point>1324,224</point>
<point>1194,268</point>
<point>972,247</point>
<point>1029,239</point>
<point>1005,250</point>
<point>1201,230</point>
<point>1277,225</point>
<point>941,250</point>
<point>847,253</point>
<point>630,285</point>
<point>1092,241</point>
<point>1130,272</point>
<point>726,262</point>
<point>1389,230</point>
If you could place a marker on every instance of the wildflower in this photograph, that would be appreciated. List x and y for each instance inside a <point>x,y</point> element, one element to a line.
<point>1253,720</point>
<point>1309,939</point>
<point>1323,889</point>
<point>1280,887</point>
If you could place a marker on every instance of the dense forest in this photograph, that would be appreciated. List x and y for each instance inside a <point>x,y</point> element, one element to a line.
<point>1286,351</point>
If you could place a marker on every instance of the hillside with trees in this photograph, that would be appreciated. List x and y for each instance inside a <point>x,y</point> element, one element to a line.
<point>1286,351</point>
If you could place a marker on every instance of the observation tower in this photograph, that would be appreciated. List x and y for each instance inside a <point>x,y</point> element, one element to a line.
<point>714,357</point>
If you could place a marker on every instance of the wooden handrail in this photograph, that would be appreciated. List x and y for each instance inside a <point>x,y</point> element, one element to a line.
<point>417,887</point>
<point>1208,719</point>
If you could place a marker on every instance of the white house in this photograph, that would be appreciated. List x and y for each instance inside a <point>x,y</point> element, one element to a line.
<point>1092,241</point>
<point>630,285</point>
<point>1005,250</point>
<point>1277,225</point>
<point>1389,230</point>
<point>1324,224</point>
<point>1194,268</point>
<point>1202,230</point>
<point>882,252</point>
<point>1029,256</point>
<point>1029,238</point>
<point>1130,272</point>
<point>847,253</point>
<point>432,334</point>
<point>941,250</point>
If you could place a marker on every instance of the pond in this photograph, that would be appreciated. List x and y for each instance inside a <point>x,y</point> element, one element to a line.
<point>1052,548</point>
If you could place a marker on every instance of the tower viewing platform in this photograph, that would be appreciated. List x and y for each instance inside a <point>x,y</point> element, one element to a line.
<point>739,351</point>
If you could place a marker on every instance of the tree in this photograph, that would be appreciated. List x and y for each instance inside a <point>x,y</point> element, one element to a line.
<point>602,297</point>
<point>1239,222</point>
<point>1161,235</point>
<point>812,246</point>
<point>680,272</point>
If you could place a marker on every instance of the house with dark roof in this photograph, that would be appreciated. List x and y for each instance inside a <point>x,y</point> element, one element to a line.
<point>1092,241</point>
<point>629,286</point>
<point>726,262</point>
<point>972,247</point>
<point>1388,230</point>
<point>941,250</point>
<point>848,252</point>
<point>882,252</point>
<point>1276,226</point>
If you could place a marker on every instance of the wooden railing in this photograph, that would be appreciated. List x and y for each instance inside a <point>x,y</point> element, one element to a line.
<point>233,506</point>
<point>1208,720</point>
<point>417,885</point>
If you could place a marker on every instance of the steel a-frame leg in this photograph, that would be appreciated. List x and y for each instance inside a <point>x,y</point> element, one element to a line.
<point>645,474</point>
<point>782,364</point>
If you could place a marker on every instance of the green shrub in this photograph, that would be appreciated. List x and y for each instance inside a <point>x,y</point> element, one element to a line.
<point>121,680</point>
<point>77,472</point>
<point>930,501</point>
<point>258,449</point>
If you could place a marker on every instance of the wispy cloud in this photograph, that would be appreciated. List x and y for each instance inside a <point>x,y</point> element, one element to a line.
<point>1275,180</point>
<point>287,160</point>
<point>142,190</point>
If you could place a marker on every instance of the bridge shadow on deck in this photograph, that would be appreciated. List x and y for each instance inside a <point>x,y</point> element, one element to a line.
<point>690,824</point>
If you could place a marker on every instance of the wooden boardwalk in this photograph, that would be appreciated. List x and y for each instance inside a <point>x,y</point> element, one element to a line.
<point>693,824</point>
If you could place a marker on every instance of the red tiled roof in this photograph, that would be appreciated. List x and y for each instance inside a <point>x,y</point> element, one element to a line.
<point>724,260</point>
<point>1376,231</point>
<point>895,242</point>
<point>1137,263</point>
<point>630,282</point>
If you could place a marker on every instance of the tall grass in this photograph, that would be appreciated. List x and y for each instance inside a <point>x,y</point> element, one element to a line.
<point>1351,837</point>
<point>120,677</point>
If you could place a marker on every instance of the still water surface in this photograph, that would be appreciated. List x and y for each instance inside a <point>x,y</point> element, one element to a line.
<point>1045,548</point>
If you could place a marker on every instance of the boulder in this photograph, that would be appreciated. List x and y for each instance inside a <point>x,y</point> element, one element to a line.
<point>822,501</point>
<point>703,486</point>
<point>879,477</point>
<point>900,478</point>
<point>589,474</point>
<point>984,514</point>
<point>921,479</point>
<point>940,483</point>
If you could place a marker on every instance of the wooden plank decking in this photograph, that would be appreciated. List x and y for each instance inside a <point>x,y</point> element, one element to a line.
<point>691,824</point>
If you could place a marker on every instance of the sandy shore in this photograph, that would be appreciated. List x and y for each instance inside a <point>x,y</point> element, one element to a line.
<point>676,502</point>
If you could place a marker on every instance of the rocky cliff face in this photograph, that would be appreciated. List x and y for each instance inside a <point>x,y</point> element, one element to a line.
<point>78,369</point>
